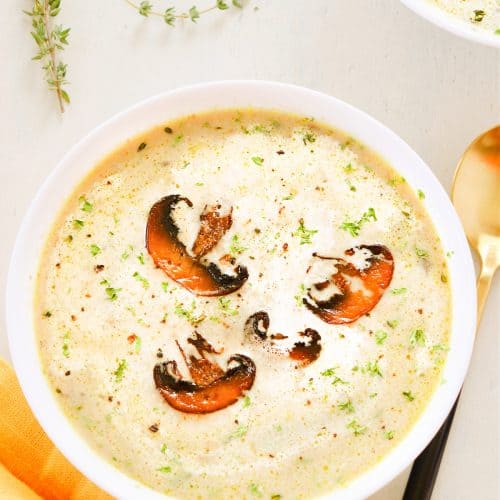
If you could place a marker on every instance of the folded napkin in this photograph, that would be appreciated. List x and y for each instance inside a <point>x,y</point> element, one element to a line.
<point>30,465</point>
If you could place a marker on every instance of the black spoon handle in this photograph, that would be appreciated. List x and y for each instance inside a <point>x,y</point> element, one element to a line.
<point>426,467</point>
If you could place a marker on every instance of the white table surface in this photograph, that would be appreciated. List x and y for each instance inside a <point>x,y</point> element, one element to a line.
<point>435,90</point>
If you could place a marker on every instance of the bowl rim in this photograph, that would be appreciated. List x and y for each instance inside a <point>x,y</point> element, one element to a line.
<point>204,97</point>
<point>448,22</point>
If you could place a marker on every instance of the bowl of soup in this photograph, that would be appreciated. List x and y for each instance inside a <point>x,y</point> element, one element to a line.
<point>241,289</point>
<point>475,20</point>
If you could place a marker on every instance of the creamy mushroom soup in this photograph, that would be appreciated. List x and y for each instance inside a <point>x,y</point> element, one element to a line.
<point>482,15</point>
<point>243,303</point>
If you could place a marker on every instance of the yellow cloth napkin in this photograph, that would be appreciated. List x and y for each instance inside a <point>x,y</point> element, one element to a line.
<point>30,465</point>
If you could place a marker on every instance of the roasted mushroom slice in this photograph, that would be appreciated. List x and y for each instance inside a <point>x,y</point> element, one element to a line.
<point>304,351</point>
<point>212,229</point>
<point>212,389</point>
<point>349,302</point>
<point>171,255</point>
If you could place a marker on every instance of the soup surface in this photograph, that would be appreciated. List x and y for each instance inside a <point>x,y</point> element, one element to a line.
<point>483,15</point>
<point>339,313</point>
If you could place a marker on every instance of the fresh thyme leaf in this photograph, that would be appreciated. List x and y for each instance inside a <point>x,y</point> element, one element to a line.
<point>145,8</point>
<point>50,40</point>
<point>194,13</point>
<point>221,5</point>
<point>304,234</point>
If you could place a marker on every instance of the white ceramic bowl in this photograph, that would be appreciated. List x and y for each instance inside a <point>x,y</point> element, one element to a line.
<point>82,158</point>
<point>454,25</point>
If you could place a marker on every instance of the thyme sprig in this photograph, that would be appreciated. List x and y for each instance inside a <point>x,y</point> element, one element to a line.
<point>50,39</point>
<point>170,16</point>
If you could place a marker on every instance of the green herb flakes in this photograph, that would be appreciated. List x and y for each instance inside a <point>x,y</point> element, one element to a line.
<point>309,138</point>
<point>165,469</point>
<point>94,250</point>
<point>164,286</point>
<point>86,206</point>
<point>347,406</point>
<point>392,323</point>
<point>258,160</point>
<point>331,372</point>
<point>144,282</point>
<point>373,368</point>
<point>304,234</point>
<point>389,435</point>
<point>356,427</point>
<point>236,248</point>
<point>417,338</point>
<point>380,337</point>
<point>189,314</point>
<point>65,345</point>
<point>408,395</point>
<point>120,370</point>
<point>78,224</point>
<point>421,194</point>
<point>355,227</point>
<point>421,253</point>
<point>398,291</point>
<point>225,305</point>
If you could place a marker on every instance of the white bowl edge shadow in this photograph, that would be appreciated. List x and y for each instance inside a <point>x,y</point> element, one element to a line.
<point>448,22</point>
<point>203,97</point>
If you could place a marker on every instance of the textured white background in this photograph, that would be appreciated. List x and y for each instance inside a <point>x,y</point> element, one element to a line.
<point>435,90</point>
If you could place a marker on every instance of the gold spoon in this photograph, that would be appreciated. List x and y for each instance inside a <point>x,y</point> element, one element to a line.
<point>476,196</point>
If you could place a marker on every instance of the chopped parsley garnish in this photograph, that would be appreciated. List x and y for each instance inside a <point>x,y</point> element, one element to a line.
<point>299,297</point>
<point>164,469</point>
<point>392,323</point>
<point>255,489</point>
<point>199,184</point>
<point>65,345</point>
<point>389,435</point>
<point>78,224</point>
<point>347,406</point>
<point>246,401</point>
<point>164,286</point>
<point>398,291</point>
<point>189,314</point>
<point>142,279</point>
<point>421,194</point>
<point>331,372</point>
<point>86,205</point>
<point>349,168</point>
<point>408,395</point>
<point>380,337</point>
<point>304,234</point>
<point>111,292</point>
<point>140,258</point>
<point>417,338</point>
<point>309,137</point>
<point>356,427</point>
<point>440,347</point>
<point>137,343</point>
<point>120,370</point>
<point>291,196</point>
<point>373,368</point>
<point>355,227</point>
<point>225,305</point>
<point>94,250</point>
<point>478,16</point>
<point>258,160</point>
<point>236,248</point>
<point>240,432</point>
<point>421,253</point>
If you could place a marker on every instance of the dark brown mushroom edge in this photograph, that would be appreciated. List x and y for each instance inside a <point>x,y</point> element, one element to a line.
<point>211,388</point>
<point>347,304</point>
<point>303,351</point>
<point>171,255</point>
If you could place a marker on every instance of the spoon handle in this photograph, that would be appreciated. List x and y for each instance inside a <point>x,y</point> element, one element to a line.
<point>426,467</point>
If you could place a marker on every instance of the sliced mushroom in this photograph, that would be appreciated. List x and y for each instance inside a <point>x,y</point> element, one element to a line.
<point>305,352</point>
<point>212,389</point>
<point>171,255</point>
<point>348,304</point>
<point>212,229</point>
